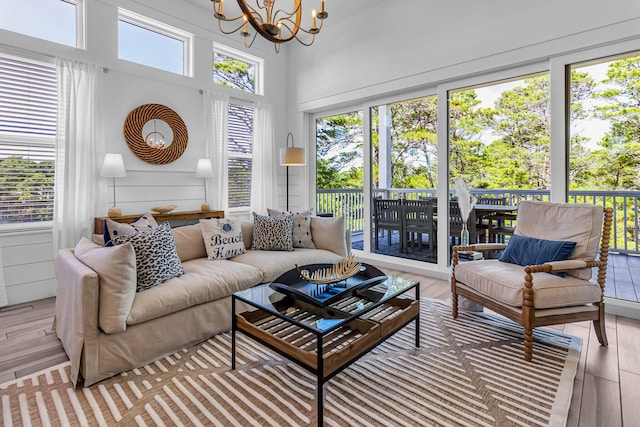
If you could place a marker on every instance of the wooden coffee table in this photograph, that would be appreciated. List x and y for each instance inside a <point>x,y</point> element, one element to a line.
<point>328,333</point>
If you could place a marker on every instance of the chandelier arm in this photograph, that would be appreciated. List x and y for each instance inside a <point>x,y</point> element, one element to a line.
<point>228,32</point>
<point>294,34</point>
<point>252,40</point>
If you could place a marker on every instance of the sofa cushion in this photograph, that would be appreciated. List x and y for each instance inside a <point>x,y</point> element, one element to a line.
<point>563,221</point>
<point>203,281</point>
<point>247,233</point>
<point>189,242</point>
<point>531,251</point>
<point>273,263</point>
<point>328,233</point>
<point>156,256</point>
<point>113,229</point>
<point>272,233</point>
<point>301,227</point>
<point>222,237</point>
<point>504,282</point>
<point>116,269</point>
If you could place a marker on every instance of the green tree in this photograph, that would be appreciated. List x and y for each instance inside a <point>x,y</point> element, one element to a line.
<point>467,122</point>
<point>617,162</point>
<point>414,135</point>
<point>339,151</point>
<point>26,190</point>
<point>233,73</point>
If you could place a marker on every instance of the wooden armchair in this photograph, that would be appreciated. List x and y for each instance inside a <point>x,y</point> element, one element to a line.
<point>535,295</point>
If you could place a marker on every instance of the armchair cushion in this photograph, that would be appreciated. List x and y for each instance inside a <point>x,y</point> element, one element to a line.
<point>504,282</point>
<point>563,221</point>
<point>531,251</point>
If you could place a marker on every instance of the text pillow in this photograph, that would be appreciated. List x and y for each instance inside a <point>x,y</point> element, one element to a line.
<point>222,238</point>
<point>156,256</point>
<point>301,227</point>
<point>272,233</point>
<point>531,251</point>
<point>113,229</point>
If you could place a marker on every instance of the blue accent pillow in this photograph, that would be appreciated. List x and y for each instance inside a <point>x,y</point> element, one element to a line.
<point>531,251</point>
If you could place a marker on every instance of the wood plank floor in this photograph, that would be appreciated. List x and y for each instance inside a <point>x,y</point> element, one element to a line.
<point>606,390</point>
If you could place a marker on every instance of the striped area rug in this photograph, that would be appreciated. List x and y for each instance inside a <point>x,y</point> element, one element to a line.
<point>468,372</point>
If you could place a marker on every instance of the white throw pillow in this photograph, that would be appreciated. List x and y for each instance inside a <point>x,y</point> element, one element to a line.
<point>328,233</point>
<point>222,237</point>
<point>116,269</point>
<point>113,229</point>
<point>301,227</point>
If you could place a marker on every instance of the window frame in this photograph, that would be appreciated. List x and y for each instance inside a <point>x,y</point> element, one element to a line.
<point>236,155</point>
<point>80,26</point>
<point>257,62</point>
<point>164,29</point>
<point>48,141</point>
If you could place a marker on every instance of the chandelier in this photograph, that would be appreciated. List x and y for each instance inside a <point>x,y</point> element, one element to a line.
<point>275,25</point>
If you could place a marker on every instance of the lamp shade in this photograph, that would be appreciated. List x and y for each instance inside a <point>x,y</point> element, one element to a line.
<point>204,169</point>
<point>292,156</point>
<point>113,166</point>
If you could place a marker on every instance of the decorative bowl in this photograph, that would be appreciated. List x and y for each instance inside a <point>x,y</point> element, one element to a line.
<point>163,209</point>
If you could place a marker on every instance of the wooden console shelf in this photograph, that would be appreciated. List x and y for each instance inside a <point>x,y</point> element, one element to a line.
<point>98,222</point>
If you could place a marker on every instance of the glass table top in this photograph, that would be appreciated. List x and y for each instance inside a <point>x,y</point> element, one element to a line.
<point>337,304</point>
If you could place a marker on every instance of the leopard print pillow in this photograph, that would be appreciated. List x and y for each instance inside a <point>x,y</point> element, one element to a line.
<point>301,227</point>
<point>156,257</point>
<point>272,233</point>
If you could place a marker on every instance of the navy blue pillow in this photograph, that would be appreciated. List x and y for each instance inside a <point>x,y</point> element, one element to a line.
<point>531,251</point>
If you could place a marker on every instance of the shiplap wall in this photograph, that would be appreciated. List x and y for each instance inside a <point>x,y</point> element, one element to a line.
<point>27,258</point>
<point>139,191</point>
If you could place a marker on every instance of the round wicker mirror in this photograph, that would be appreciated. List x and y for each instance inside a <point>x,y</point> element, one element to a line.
<point>158,155</point>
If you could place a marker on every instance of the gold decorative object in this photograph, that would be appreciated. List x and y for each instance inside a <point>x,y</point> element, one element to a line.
<point>163,209</point>
<point>272,22</point>
<point>338,272</point>
<point>158,155</point>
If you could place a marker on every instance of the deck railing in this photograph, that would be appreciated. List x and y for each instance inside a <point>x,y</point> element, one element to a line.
<point>626,233</point>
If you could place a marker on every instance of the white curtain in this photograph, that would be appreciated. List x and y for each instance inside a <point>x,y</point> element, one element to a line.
<point>216,110</point>
<point>263,178</point>
<point>77,155</point>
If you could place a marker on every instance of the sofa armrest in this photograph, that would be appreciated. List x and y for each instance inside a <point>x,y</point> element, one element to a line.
<point>76,317</point>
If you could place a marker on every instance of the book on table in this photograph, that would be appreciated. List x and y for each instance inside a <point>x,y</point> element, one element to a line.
<point>470,255</point>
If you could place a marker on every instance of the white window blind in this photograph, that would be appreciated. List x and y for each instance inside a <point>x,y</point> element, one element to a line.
<point>28,112</point>
<point>240,152</point>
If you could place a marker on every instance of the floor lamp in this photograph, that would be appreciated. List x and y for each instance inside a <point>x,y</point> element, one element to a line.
<point>113,167</point>
<point>291,156</point>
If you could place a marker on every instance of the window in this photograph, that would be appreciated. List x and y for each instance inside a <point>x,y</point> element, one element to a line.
<point>28,114</point>
<point>604,151</point>
<point>240,149</point>
<point>54,20</point>
<point>154,44</point>
<point>237,70</point>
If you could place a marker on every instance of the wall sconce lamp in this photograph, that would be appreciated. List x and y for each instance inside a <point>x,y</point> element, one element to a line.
<point>113,167</point>
<point>291,156</point>
<point>204,170</point>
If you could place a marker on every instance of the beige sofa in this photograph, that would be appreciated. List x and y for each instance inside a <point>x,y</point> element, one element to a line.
<point>175,314</point>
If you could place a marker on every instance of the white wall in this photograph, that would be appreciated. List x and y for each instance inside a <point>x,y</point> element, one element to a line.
<point>394,46</point>
<point>28,258</point>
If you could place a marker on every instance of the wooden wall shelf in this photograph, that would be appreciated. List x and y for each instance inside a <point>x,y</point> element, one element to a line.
<point>173,217</point>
